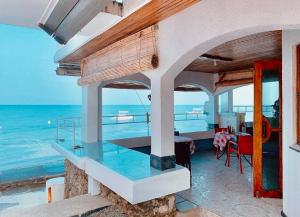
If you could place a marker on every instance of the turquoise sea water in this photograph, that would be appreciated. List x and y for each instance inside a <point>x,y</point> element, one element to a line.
<point>27,132</point>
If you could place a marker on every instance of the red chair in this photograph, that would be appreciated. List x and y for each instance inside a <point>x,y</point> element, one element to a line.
<point>243,146</point>
<point>217,150</point>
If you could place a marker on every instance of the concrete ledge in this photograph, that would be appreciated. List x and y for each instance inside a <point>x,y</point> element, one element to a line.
<point>143,189</point>
<point>126,172</point>
<point>76,206</point>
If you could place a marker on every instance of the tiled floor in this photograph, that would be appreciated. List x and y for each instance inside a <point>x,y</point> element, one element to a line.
<point>216,188</point>
<point>224,191</point>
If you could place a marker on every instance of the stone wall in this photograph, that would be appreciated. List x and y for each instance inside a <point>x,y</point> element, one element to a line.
<point>76,183</point>
<point>76,180</point>
<point>160,207</point>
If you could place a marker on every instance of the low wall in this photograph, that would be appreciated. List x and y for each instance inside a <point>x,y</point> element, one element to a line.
<point>159,207</point>
<point>33,182</point>
<point>76,183</point>
<point>146,141</point>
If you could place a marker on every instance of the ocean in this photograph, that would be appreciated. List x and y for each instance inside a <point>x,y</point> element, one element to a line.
<point>27,132</point>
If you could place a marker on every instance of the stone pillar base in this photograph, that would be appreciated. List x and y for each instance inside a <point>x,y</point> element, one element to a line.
<point>76,181</point>
<point>162,163</point>
<point>160,207</point>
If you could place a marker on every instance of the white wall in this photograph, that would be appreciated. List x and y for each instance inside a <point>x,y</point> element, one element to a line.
<point>291,158</point>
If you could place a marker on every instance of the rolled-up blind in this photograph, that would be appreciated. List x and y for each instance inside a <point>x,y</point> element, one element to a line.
<point>134,54</point>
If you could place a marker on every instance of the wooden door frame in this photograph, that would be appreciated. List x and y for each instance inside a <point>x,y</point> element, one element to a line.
<point>258,190</point>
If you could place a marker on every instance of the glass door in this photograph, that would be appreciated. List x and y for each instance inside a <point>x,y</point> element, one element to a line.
<point>267,149</point>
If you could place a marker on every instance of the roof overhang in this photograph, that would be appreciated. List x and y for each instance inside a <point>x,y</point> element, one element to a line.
<point>149,14</point>
<point>22,12</point>
<point>63,19</point>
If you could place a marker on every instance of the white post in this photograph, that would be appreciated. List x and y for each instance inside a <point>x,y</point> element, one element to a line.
<point>226,101</point>
<point>93,186</point>
<point>90,120</point>
<point>230,101</point>
<point>213,111</point>
<point>162,118</point>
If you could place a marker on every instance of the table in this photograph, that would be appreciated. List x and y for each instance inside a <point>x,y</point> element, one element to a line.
<point>221,139</point>
<point>179,139</point>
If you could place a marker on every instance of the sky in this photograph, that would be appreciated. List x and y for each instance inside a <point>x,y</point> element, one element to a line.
<point>27,75</point>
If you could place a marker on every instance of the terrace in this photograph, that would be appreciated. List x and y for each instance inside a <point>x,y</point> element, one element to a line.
<point>169,46</point>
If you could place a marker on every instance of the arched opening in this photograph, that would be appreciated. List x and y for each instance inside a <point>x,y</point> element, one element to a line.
<point>125,110</point>
<point>226,70</point>
<point>191,108</point>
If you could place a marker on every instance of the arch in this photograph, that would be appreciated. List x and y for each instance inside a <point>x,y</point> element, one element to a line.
<point>203,80</point>
<point>139,79</point>
<point>181,44</point>
<point>225,89</point>
<point>196,85</point>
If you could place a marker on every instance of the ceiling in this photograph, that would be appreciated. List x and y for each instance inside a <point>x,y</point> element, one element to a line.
<point>22,12</point>
<point>239,54</point>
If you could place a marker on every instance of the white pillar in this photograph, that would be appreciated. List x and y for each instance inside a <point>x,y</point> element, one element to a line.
<point>213,111</point>
<point>93,186</point>
<point>162,119</point>
<point>90,110</point>
<point>230,101</point>
<point>290,157</point>
<point>226,101</point>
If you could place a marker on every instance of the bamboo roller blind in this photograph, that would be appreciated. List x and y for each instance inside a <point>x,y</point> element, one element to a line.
<point>131,55</point>
<point>233,78</point>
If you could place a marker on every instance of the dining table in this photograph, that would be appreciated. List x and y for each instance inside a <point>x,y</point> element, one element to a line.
<point>181,139</point>
<point>221,140</point>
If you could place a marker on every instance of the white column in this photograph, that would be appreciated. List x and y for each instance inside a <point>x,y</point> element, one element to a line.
<point>90,109</point>
<point>290,158</point>
<point>162,139</point>
<point>226,101</point>
<point>230,101</point>
<point>213,111</point>
<point>93,186</point>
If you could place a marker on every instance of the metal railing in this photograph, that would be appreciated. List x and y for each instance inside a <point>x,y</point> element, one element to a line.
<point>67,126</point>
<point>248,108</point>
<point>70,127</point>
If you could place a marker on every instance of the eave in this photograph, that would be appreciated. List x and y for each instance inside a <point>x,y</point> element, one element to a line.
<point>150,14</point>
